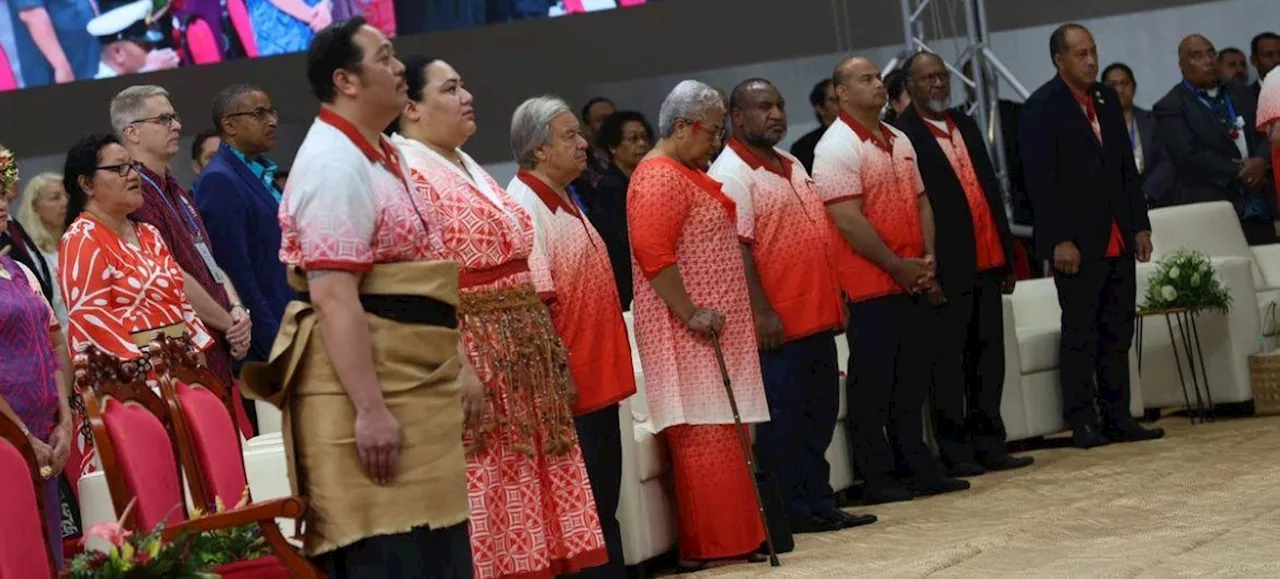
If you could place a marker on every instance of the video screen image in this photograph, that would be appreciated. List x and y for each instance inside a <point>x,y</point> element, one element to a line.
<point>46,42</point>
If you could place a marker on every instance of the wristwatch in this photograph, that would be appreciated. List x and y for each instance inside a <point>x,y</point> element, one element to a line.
<point>241,306</point>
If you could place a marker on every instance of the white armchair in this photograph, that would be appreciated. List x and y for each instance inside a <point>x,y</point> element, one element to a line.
<point>1032,402</point>
<point>1251,274</point>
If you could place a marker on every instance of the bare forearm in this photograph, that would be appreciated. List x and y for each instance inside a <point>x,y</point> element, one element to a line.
<point>347,340</point>
<point>295,8</point>
<point>66,377</point>
<point>759,301</point>
<point>42,33</point>
<point>230,288</point>
<point>926,225</point>
<point>863,237</point>
<point>670,287</point>
<point>205,306</point>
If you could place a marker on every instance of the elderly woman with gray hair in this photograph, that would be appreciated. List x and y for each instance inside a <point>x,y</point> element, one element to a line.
<point>532,511</point>
<point>547,142</point>
<point>690,292</point>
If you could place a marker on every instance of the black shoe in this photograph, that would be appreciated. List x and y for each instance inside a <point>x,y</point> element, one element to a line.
<point>1088,436</point>
<point>847,520</point>
<point>813,525</point>
<point>926,486</point>
<point>965,469</point>
<point>1131,431</point>
<point>885,493</point>
<point>1004,461</point>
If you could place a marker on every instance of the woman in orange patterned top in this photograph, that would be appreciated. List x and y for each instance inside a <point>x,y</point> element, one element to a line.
<point>690,289</point>
<point>120,283</point>
<point>533,514</point>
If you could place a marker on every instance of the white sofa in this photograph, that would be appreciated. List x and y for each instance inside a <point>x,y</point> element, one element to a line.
<point>1214,230</point>
<point>1032,402</point>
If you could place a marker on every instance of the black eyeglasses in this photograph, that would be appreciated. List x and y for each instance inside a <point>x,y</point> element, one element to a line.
<point>260,113</point>
<point>165,120</point>
<point>122,169</point>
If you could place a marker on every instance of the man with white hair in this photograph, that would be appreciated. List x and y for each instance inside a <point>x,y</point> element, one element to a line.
<point>788,248</point>
<point>147,125</point>
<point>975,266</point>
<point>547,142</point>
<point>691,292</point>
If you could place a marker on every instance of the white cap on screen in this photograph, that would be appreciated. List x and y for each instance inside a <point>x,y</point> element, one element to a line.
<point>115,21</point>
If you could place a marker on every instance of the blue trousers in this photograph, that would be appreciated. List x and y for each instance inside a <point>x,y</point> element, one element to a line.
<point>802,386</point>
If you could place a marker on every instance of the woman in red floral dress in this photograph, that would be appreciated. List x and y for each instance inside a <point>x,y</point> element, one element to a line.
<point>532,511</point>
<point>118,278</point>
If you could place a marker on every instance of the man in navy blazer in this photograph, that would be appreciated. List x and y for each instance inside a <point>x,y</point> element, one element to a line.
<point>238,199</point>
<point>1091,219</point>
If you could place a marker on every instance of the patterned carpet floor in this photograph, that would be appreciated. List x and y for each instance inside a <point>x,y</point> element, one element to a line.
<point>1204,501</point>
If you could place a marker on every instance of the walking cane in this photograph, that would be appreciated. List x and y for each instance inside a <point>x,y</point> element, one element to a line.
<point>746,451</point>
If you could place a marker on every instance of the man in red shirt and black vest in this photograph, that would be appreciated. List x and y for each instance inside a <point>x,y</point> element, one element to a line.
<point>1091,220</point>
<point>975,258</point>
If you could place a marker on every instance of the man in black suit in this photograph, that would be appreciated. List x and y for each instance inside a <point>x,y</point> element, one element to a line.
<point>974,252</point>
<point>826,107</point>
<point>1207,128</point>
<point>1091,219</point>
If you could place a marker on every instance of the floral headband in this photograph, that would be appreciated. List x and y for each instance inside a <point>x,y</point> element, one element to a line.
<point>8,170</point>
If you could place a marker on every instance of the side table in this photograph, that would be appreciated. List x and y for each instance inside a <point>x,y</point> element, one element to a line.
<point>1188,337</point>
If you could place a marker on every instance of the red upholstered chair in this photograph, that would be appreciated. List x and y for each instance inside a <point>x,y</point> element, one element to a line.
<point>23,548</point>
<point>135,436</point>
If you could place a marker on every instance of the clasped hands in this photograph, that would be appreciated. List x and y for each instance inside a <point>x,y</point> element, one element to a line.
<point>240,334</point>
<point>918,275</point>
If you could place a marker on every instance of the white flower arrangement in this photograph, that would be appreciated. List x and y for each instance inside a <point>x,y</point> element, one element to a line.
<point>1186,280</point>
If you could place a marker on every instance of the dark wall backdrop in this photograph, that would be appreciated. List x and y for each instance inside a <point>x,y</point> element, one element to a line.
<point>503,64</point>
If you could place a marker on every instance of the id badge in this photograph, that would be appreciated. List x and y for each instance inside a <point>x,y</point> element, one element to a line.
<point>207,256</point>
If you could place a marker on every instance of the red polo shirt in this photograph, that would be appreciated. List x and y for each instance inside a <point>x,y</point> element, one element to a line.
<point>849,163</point>
<point>792,242</point>
<point>986,236</point>
<point>586,311</point>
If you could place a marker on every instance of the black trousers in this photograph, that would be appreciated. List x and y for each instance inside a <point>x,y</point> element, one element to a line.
<point>968,372</point>
<point>802,386</point>
<point>1259,232</point>
<point>421,553</point>
<point>1097,331</point>
<point>889,339</point>
<point>599,435</point>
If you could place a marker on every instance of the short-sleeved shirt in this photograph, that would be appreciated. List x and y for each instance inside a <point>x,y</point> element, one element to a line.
<point>586,310</point>
<point>70,19</point>
<point>850,163</point>
<point>986,237</point>
<point>347,205</point>
<point>792,241</point>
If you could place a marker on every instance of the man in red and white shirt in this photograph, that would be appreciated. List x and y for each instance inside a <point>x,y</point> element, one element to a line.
<point>866,174</point>
<point>789,250</point>
<point>351,224</point>
<point>975,253</point>
<point>546,138</point>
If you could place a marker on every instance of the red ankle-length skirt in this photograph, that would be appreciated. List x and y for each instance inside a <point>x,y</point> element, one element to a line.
<point>716,509</point>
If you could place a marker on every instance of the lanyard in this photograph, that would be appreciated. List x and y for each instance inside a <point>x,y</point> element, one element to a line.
<point>186,211</point>
<point>1231,109</point>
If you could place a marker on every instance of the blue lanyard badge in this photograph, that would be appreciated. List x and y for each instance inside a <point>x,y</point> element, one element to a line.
<point>186,211</point>
<point>1231,109</point>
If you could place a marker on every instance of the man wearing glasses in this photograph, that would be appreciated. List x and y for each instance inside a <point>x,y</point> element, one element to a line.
<point>146,124</point>
<point>237,196</point>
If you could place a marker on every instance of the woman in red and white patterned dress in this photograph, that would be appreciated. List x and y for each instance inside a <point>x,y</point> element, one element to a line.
<point>118,278</point>
<point>690,287</point>
<point>532,511</point>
